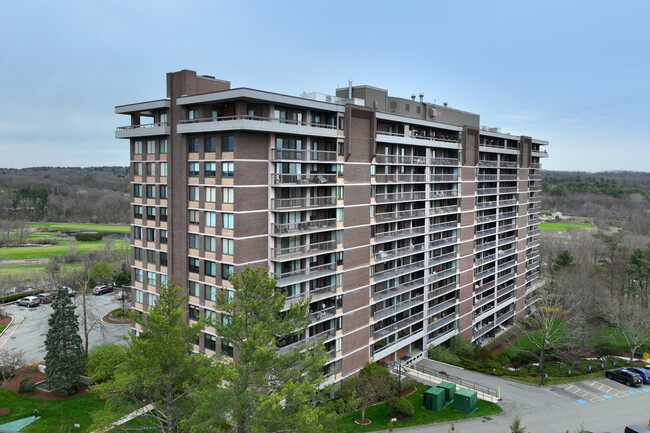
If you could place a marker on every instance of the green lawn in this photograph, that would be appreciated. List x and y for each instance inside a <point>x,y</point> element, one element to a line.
<point>56,415</point>
<point>31,272</point>
<point>562,226</point>
<point>106,228</point>
<point>46,251</point>
<point>379,415</point>
<point>2,328</point>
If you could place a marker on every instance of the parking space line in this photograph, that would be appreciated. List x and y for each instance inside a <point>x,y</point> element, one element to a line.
<point>608,396</point>
<point>581,401</point>
<point>580,392</point>
<point>607,389</point>
<point>8,335</point>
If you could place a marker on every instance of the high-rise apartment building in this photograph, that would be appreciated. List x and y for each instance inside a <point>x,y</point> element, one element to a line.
<point>406,222</point>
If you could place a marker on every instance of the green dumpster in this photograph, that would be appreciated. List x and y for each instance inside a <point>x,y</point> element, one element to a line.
<point>434,399</point>
<point>465,401</point>
<point>450,389</point>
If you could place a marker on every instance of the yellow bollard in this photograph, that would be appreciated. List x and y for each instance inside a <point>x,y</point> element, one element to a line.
<point>499,393</point>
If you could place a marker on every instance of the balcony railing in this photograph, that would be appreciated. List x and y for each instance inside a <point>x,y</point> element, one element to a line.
<point>533,232</point>
<point>441,275</point>
<point>449,193</point>
<point>442,242</point>
<point>302,202</point>
<point>325,314</point>
<point>504,215</point>
<point>486,163</point>
<point>486,218</point>
<point>486,191</point>
<point>326,335</point>
<point>434,228</point>
<point>507,289</point>
<point>485,246</point>
<point>441,307</point>
<point>486,204</point>
<point>402,270</point>
<point>442,210</point>
<point>503,266</point>
<point>302,226</point>
<point>400,159</point>
<point>396,308</point>
<point>257,118</point>
<point>479,302</point>
<point>302,179</point>
<point>398,252</point>
<point>507,164</point>
<point>486,232</point>
<point>400,196</point>
<point>487,177</point>
<point>507,190</point>
<point>503,177</point>
<point>398,234</point>
<point>399,215</point>
<point>294,277</point>
<point>316,294</point>
<point>145,125</point>
<point>303,155</point>
<point>484,287</point>
<point>401,178</point>
<point>443,258</point>
<point>482,274</point>
<point>444,178</point>
<point>440,291</point>
<point>505,316</point>
<point>443,161</point>
<point>506,277</point>
<point>507,240</point>
<point>385,331</point>
<point>303,250</point>
<point>507,203</point>
<point>507,227</point>
<point>396,290</point>
<point>485,259</point>
<point>440,323</point>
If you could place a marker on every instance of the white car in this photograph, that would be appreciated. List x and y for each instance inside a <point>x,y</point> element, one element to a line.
<point>29,301</point>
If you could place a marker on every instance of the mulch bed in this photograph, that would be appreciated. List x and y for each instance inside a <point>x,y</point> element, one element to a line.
<point>4,410</point>
<point>5,320</point>
<point>36,377</point>
<point>114,321</point>
<point>407,392</point>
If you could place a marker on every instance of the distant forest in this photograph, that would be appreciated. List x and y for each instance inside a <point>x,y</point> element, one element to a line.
<point>102,195</point>
<point>65,194</point>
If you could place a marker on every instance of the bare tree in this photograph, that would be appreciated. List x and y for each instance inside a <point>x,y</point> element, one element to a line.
<point>10,360</point>
<point>90,317</point>
<point>632,322</point>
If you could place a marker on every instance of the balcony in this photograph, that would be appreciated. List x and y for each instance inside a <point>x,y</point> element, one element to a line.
<point>484,287</point>
<point>442,210</point>
<point>443,161</point>
<point>384,332</point>
<point>486,204</point>
<point>533,232</point>
<point>302,179</point>
<point>444,178</point>
<point>507,240</point>
<point>504,316</point>
<point>535,165</point>
<point>144,130</point>
<point>507,289</point>
<point>398,252</point>
<point>503,266</point>
<point>397,308</point>
<point>485,259</point>
<point>303,155</point>
<point>443,258</point>
<point>396,272</point>
<point>504,215</point>
<point>399,215</point>
<point>487,177</point>
<point>507,228</point>
<point>400,178</point>
<point>486,191</point>
<point>441,275</point>
<point>414,139</point>
<point>532,243</point>
<point>486,232</point>
<point>532,254</point>
<point>486,219</point>
<point>508,190</point>
<point>434,228</point>
<point>302,202</point>
<point>324,314</point>
<point>510,202</point>
<point>506,177</point>
<point>534,188</point>
<point>485,246</point>
<point>396,290</point>
<point>479,302</point>
<point>400,234</point>
<point>400,196</point>
<point>256,123</point>
<point>302,226</point>
<point>326,335</point>
<point>438,194</point>
<point>535,177</point>
<point>441,307</point>
<point>535,199</point>
<point>316,294</point>
<point>487,163</point>
<point>534,221</point>
<point>400,159</point>
<point>508,164</point>
<point>301,275</point>
<point>441,291</point>
<point>485,273</point>
<point>506,277</point>
<point>440,323</point>
<point>534,210</point>
<point>303,250</point>
<point>437,243</point>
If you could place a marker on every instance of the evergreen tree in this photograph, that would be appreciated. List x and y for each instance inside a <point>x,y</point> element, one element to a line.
<point>64,359</point>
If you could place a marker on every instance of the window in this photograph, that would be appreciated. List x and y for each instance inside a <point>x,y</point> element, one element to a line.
<point>210,317</point>
<point>227,143</point>
<point>341,125</point>
<point>227,246</point>
<point>227,195</point>
<point>340,147</point>
<point>151,169</point>
<point>210,293</point>
<point>193,144</point>
<point>137,169</point>
<point>227,169</point>
<point>138,275</point>
<point>193,265</point>
<point>151,191</point>
<point>163,214</point>
<point>137,147</point>
<point>151,235</point>
<point>163,279</point>
<point>210,268</point>
<point>137,233</point>
<point>163,191</point>
<point>339,170</point>
<point>210,243</point>
<point>194,312</point>
<point>151,280</point>
<point>193,193</point>
<point>211,194</point>
<point>339,193</point>
<point>226,270</point>
<point>227,221</point>
<point>194,216</point>
<point>163,117</point>
<point>151,297</point>
<point>137,253</point>
<point>139,296</point>
<point>211,219</point>
<point>193,169</point>
<point>151,256</point>
<point>163,169</point>
<point>193,240</point>
<point>226,348</point>
<point>193,114</point>
<point>151,147</point>
<point>210,144</point>
<point>163,258</point>
<point>230,295</point>
<point>137,190</point>
<point>137,211</point>
<point>210,342</point>
<point>163,236</point>
<point>210,169</point>
<point>163,141</point>
<point>151,213</point>
<point>193,288</point>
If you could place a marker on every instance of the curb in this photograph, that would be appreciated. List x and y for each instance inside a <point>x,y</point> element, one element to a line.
<point>13,319</point>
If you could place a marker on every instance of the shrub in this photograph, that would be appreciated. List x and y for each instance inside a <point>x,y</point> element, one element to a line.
<point>409,383</point>
<point>441,354</point>
<point>26,386</point>
<point>400,406</point>
<point>30,368</point>
<point>89,236</point>
<point>103,360</point>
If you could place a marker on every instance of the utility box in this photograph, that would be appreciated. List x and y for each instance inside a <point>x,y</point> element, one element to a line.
<point>450,389</point>
<point>434,399</point>
<point>465,401</point>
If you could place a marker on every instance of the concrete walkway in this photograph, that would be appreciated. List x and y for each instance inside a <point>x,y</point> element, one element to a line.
<point>127,418</point>
<point>16,425</point>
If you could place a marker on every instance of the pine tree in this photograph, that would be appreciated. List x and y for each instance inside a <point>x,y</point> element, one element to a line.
<point>64,359</point>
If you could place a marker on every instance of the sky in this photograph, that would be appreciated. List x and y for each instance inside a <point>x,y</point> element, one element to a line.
<point>574,73</point>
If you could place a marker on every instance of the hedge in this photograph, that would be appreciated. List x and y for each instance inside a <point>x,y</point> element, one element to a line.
<point>89,236</point>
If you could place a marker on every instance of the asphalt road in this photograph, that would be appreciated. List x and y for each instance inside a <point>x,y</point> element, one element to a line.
<point>28,331</point>
<point>601,406</point>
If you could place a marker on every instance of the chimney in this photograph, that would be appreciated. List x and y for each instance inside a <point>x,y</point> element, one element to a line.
<point>421,97</point>
<point>350,88</point>
<point>413,97</point>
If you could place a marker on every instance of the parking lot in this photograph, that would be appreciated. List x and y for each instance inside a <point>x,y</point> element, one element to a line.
<point>27,332</point>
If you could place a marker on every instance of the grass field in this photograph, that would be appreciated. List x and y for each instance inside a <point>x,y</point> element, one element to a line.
<point>106,228</point>
<point>379,415</point>
<point>47,251</point>
<point>563,226</point>
<point>31,272</point>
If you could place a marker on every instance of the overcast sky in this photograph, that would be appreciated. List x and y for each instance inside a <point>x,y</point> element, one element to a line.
<point>575,73</point>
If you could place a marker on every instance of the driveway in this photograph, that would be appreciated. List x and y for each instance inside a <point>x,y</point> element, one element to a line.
<point>601,406</point>
<point>28,331</point>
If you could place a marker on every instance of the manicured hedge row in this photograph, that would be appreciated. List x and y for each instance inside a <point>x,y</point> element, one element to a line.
<point>89,236</point>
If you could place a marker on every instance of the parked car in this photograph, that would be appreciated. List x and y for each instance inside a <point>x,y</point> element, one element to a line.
<point>634,429</point>
<point>629,378</point>
<point>100,290</point>
<point>46,298</point>
<point>29,301</point>
<point>643,372</point>
<point>71,292</point>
